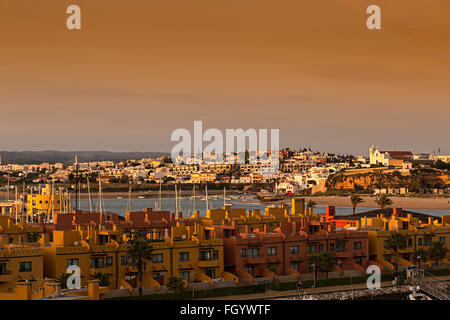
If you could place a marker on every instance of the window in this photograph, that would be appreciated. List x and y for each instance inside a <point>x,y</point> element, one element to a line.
<point>71,262</point>
<point>183,256</point>
<point>320,247</point>
<point>211,273</point>
<point>357,245</point>
<point>409,243</point>
<point>419,241</point>
<point>427,241</point>
<point>311,248</point>
<point>340,247</point>
<point>442,240</point>
<point>215,254</point>
<point>205,255</point>
<point>123,260</point>
<point>272,251</point>
<point>294,249</point>
<point>97,263</point>
<point>25,266</point>
<point>294,266</point>
<point>249,270</point>
<point>332,247</point>
<point>3,268</point>
<point>157,258</point>
<point>109,261</point>
<point>243,253</point>
<point>185,275</point>
<point>253,252</point>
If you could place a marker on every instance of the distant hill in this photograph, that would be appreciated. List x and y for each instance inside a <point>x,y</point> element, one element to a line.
<point>67,157</point>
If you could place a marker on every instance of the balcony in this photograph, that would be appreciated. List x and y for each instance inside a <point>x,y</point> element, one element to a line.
<point>208,263</point>
<point>255,260</point>
<point>6,276</point>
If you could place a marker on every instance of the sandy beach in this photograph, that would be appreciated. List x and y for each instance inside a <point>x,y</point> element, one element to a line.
<point>398,202</point>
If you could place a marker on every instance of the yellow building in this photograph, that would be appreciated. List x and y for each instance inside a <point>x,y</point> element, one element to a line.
<point>192,253</point>
<point>253,219</point>
<point>47,201</point>
<point>21,258</point>
<point>418,236</point>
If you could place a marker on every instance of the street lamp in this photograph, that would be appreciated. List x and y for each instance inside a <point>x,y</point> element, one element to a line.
<point>420,261</point>
<point>314,268</point>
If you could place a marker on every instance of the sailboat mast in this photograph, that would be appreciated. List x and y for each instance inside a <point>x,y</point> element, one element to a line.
<point>207,207</point>
<point>160,195</point>
<point>194,198</point>
<point>89,195</point>
<point>176,200</point>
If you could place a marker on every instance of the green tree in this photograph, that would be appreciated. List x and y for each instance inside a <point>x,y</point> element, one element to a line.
<point>395,242</point>
<point>436,252</point>
<point>355,199</point>
<point>103,279</point>
<point>327,262</point>
<point>324,262</point>
<point>140,251</point>
<point>383,201</point>
<point>175,284</point>
<point>313,263</point>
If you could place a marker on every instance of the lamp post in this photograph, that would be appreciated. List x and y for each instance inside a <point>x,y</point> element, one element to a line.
<point>420,261</point>
<point>314,268</point>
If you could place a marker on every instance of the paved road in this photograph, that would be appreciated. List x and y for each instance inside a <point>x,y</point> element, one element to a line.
<point>271,294</point>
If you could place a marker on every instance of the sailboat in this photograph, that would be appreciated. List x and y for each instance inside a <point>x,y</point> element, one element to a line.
<point>225,204</point>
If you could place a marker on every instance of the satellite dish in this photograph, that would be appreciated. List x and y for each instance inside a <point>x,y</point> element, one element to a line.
<point>75,243</point>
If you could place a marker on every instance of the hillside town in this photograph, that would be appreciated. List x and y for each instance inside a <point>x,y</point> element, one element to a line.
<point>300,172</point>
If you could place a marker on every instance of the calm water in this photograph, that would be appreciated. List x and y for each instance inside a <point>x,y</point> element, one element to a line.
<point>119,206</point>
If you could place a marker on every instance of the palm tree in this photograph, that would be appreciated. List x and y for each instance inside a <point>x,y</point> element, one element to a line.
<point>103,279</point>
<point>383,201</point>
<point>395,242</point>
<point>437,252</point>
<point>62,279</point>
<point>140,251</point>
<point>175,284</point>
<point>355,199</point>
<point>420,255</point>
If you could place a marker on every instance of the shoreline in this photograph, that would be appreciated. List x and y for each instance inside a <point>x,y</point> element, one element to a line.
<point>429,203</point>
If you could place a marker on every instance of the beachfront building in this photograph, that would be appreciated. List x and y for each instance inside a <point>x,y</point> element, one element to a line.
<point>419,235</point>
<point>21,258</point>
<point>257,254</point>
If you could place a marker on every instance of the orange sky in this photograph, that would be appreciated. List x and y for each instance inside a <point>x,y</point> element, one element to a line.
<point>139,69</point>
